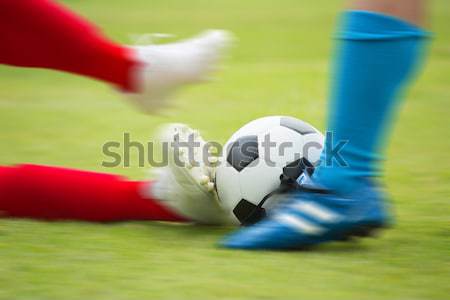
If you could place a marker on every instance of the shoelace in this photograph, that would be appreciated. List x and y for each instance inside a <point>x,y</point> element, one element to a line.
<point>288,183</point>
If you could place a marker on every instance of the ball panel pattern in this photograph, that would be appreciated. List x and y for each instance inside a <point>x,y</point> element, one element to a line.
<point>297,125</point>
<point>250,170</point>
<point>243,151</point>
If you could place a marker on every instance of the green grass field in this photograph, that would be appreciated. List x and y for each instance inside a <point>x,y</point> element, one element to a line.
<point>280,66</point>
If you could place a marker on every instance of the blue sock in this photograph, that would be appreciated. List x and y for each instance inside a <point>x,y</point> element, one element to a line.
<point>376,57</point>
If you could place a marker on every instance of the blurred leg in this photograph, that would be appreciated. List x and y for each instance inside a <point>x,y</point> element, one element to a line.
<point>380,48</point>
<point>52,193</point>
<point>412,11</point>
<point>376,58</point>
<point>43,34</point>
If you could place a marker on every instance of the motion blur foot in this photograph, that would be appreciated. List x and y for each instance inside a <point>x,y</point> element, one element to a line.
<point>186,184</point>
<point>314,215</point>
<point>167,67</point>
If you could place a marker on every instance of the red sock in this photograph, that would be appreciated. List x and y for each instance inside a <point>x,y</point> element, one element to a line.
<point>52,193</point>
<point>42,34</point>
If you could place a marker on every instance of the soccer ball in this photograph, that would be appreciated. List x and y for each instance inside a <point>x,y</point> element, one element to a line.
<point>253,161</point>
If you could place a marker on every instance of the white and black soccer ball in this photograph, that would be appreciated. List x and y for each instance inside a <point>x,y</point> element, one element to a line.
<point>253,160</point>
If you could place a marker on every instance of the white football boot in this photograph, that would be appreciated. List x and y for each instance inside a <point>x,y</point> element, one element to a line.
<point>186,185</point>
<point>167,67</point>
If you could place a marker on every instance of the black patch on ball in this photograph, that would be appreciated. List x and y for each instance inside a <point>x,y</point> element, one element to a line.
<point>296,125</point>
<point>248,213</point>
<point>296,168</point>
<point>243,151</point>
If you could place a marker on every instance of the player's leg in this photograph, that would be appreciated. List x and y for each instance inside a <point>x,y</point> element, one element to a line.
<point>380,48</point>
<point>181,191</point>
<point>53,193</point>
<point>412,11</point>
<point>43,34</point>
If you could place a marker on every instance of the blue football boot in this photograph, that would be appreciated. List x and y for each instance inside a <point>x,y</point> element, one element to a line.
<point>312,215</point>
